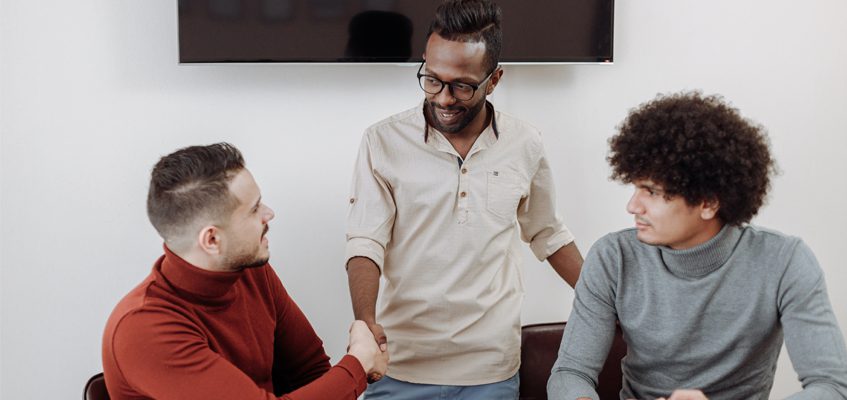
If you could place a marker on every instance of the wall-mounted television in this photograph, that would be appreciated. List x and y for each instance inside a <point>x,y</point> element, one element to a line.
<point>381,31</point>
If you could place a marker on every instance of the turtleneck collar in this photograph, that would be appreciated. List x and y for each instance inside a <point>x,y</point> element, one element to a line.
<point>702,259</point>
<point>197,284</point>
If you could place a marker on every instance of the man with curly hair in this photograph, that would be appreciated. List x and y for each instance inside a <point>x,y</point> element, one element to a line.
<point>704,299</point>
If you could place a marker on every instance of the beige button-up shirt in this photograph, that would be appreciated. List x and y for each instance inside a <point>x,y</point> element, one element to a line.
<point>444,233</point>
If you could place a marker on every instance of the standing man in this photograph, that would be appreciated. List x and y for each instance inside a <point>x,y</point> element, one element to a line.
<point>704,300</point>
<point>440,194</point>
<point>212,320</point>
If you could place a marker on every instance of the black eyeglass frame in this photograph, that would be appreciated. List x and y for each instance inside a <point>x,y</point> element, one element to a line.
<point>444,84</point>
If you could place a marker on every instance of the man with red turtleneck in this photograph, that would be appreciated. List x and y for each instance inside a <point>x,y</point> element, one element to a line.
<point>213,320</point>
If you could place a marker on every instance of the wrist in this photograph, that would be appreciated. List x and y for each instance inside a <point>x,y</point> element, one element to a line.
<point>366,366</point>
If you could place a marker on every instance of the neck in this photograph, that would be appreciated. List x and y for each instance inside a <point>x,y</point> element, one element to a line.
<point>703,235</point>
<point>479,123</point>
<point>463,140</point>
<point>704,258</point>
<point>199,258</point>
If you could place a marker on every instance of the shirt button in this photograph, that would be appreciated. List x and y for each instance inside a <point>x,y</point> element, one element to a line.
<point>464,170</point>
<point>352,201</point>
<point>463,194</point>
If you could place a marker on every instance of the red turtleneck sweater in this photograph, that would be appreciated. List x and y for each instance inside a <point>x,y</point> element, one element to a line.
<point>187,333</point>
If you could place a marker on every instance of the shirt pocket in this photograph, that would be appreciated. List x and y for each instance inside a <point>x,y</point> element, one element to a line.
<point>503,194</point>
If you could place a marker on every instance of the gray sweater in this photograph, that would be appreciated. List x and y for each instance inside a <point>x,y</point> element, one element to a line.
<point>712,317</point>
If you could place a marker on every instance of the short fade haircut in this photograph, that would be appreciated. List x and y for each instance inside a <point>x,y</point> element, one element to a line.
<point>697,147</point>
<point>471,21</point>
<point>192,184</point>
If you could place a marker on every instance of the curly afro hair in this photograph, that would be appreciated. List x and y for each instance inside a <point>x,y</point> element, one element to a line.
<point>697,147</point>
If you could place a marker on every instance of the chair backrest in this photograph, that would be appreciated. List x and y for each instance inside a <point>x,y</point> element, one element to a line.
<point>539,349</point>
<point>95,388</point>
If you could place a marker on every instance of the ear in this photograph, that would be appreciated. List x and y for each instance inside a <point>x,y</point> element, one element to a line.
<point>495,79</point>
<point>709,209</point>
<point>209,240</point>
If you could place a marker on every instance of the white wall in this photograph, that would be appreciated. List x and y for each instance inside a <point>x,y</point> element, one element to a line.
<point>91,96</point>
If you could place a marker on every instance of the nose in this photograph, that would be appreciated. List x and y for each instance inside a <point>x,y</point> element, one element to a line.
<point>269,214</point>
<point>445,97</point>
<point>634,205</point>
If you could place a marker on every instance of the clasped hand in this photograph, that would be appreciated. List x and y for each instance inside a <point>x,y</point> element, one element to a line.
<point>365,347</point>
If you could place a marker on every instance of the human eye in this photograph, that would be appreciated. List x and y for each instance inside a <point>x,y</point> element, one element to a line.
<point>462,87</point>
<point>651,191</point>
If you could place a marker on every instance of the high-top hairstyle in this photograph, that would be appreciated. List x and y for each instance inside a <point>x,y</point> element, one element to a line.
<point>697,147</point>
<point>471,21</point>
<point>191,186</point>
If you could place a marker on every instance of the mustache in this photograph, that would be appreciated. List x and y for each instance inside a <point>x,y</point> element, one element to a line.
<point>454,107</point>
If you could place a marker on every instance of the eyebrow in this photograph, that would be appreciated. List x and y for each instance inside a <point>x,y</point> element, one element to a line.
<point>652,187</point>
<point>467,80</point>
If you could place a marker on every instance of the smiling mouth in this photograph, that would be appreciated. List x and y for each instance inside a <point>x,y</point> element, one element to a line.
<point>448,114</point>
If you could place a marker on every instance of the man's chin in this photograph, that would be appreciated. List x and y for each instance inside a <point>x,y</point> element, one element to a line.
<point>255,264</point>
<point>646,239</point>
<point>456,125</point>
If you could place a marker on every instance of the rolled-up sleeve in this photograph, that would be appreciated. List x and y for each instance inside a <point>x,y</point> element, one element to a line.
<point>541,225</point>
<point>370,218</point>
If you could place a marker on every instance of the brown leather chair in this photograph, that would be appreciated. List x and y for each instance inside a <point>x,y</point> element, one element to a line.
<point>539,349</point>
<point>95,388</point>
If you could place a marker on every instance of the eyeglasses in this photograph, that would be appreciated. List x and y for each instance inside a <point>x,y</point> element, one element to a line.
<point>460,90</point>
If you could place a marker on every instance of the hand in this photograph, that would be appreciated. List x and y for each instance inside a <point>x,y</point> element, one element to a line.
<point>364,347</point>
<point>379,335</point>
<point>686,394</point>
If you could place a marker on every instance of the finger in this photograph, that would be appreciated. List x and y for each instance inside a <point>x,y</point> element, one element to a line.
<point>379,335</point>
<point>374,376</point>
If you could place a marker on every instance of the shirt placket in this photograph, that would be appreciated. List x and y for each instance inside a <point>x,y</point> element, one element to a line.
<point>464,194</point>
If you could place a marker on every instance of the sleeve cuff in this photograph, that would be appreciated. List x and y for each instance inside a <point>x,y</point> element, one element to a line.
<point>354,368</point>
<point>545,247</point>
<point>364,247</point>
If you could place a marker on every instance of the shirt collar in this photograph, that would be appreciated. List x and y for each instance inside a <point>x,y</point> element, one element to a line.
<point>197,284</point>
<point>705,258</point>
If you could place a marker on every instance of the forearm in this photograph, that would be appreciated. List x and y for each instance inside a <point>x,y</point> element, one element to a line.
<point>363,278</point>
<point>345,380</point>
<point>567,262</point>
<point>569,385</point>
<point>817,392</point>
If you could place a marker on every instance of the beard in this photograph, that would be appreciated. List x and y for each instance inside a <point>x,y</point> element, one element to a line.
<point>258,262</point>
<point>250,258</point>
<point>468,115</point>
<point>244,261</point>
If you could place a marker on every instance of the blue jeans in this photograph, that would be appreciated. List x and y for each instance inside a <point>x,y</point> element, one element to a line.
<point>388,388</point>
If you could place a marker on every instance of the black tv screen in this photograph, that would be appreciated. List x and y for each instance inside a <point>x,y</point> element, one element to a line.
<point>381,31</point>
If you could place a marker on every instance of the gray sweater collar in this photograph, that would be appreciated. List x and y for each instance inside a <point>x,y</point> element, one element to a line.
<point>701,260</point>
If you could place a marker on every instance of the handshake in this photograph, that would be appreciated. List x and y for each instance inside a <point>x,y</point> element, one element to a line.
<point>372,355</point>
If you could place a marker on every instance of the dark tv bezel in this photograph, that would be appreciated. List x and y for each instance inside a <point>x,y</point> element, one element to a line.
<point>411,61</point>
